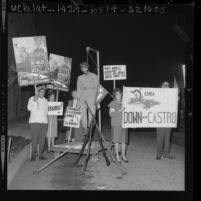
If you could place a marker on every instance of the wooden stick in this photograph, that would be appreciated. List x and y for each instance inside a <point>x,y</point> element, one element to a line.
<point>103,139</point>
<point>89,146</point>
<point>86,139</point>
<point>9,144</point>
<point>69,135</point>
<point>36,92</point>
<point>57,95</point>
<point>114,84</point>
<point>53,160</point>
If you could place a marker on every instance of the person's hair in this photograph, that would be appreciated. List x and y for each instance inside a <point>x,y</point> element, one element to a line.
<point>84,64</point>
<point>41,88</point>
<point>73,91</point>
<point>50,93</point>
<point>163,83</point>
<point>115,91</point>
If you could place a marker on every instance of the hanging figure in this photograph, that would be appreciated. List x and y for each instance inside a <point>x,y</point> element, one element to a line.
<point>86,90</point>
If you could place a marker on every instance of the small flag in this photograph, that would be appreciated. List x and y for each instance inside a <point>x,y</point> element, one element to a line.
<point>184,74</point>
<point>175,84</point>
<point>100,94</point>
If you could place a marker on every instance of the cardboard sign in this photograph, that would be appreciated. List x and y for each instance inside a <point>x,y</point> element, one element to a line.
<point>60,70</point>
<point>149,107</point>
<point>55,108</point>
<point>114,72</point>
<point>31,60</point>
<point>72,117</point>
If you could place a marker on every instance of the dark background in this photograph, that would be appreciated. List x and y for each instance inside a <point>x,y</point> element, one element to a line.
<point>146,43</point>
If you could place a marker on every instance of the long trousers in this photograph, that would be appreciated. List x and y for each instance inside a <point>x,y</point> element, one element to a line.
<point>163,141</point>
<point>39,132</point>
<point>84,111</point>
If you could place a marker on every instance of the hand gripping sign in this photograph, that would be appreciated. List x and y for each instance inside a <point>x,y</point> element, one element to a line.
<point>72,117</point>
<point>149,107</point>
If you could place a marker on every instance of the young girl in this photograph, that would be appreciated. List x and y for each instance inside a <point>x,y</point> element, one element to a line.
<point>119,134</point>
<point>52,124</point>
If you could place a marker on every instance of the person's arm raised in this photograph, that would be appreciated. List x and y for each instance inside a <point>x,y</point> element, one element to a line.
<point>36,93</point>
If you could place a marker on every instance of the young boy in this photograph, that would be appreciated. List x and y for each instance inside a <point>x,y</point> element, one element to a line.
<point>76,132</point>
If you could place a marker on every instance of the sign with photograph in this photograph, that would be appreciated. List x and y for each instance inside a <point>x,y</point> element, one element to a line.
<point>114,72</point>
<point>72,117</point>
<point>31,60</point>
<point>55,108</point>
<point>149,107</point>
<point>60,70</point>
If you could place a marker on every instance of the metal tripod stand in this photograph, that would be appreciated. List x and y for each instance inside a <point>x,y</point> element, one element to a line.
<point>88,139</point>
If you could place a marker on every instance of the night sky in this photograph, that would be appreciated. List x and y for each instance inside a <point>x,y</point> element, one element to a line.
<point>146,44</point>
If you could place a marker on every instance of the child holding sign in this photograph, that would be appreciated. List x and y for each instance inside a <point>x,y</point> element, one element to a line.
<point>119,134</point>
<point>76,132</point>
<point>52,124</point>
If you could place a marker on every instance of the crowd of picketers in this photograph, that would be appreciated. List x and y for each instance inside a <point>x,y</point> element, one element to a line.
<point>45,126</point>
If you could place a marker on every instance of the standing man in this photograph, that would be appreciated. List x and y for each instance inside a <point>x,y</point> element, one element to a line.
<point>38,121</point>
<point>163,138</point>
<point>87,84</point>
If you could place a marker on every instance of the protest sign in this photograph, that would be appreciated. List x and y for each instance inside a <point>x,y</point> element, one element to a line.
<point>31,60</point>
<point>149,107</point>
<point>55,108</point>
<point>100,94</point>
<point>114,72</point>
<point>72,117</point>
<point>60,70</point>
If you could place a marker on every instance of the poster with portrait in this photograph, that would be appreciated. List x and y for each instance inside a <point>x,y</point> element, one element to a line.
<point>31,60</point>
<point>60,71</point>
<point>149,107</point>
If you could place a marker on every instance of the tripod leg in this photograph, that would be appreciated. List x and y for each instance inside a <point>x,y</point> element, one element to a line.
<point>82,150</point>
<point>89,146</point>
<point>103,139</point>
<point>103,151</point>
<point>108,149</point>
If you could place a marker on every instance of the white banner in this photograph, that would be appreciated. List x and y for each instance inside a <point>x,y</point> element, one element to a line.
<point>114,72</point>
<point>72,117</point>
<point>55,108</point>
<point>149,107</point>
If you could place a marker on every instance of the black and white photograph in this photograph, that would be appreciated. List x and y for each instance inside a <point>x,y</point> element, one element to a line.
<point>125,70</point>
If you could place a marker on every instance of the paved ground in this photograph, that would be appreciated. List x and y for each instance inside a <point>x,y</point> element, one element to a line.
<point>19,127</point>
<point>144,172</point>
